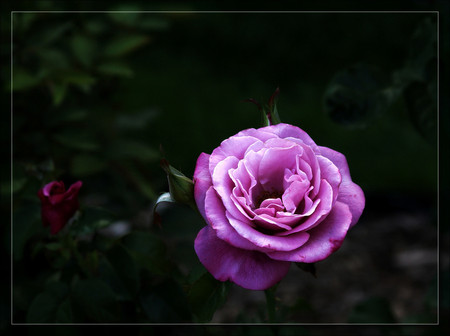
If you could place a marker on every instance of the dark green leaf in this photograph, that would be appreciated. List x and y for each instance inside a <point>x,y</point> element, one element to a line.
<point>124,45</point>
<point>92,219</point>
<point>181,187</point>
<point>64,312</point>
<point>136,121</point>
<point>154,23</point>
<point>53,60</point>
<point>77,140</point>
<point>45,306</point>
<point>115,69</point>
<point>96,300</point>
<point>373,310</point>
<point>125,18</point>
<point>52,33</point>
<point>85,164</point>
<point>148,251</point>
<point>356,95</point>
<point>58,91</point>
<point>165,302</point>
<point>23,80</point>
<point>132,149</point>
<point>206,295</point>
<point>422,110</point>
<point>82,80</point>
<point>125,267</point>
<point>310,268</point>
<point>26,222</point>
<point>83,48</point>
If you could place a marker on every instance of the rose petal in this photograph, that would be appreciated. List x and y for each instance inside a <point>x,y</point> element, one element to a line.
<point>294,194</point>
<point>235,146</point>
<point>248,269</point>
<point>202,182</point>
<point>330,172</point>
<point>287,131</point>
<point>224,185</point>
<point>324,239</point>
<point>215,214</point>
<point>323,204</point>
<point>73,190</point>
<point>259,134</point>
<point>273,164</point>
<point>349,192</point>
<point>266,241</point>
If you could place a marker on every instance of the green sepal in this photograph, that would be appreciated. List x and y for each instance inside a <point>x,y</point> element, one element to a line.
<point>269,112</point>
<point>307,267</point>
<point>181,188</point>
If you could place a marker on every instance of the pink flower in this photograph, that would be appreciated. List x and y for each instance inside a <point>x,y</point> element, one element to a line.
<point>58,205</point>
<point>271,196</point>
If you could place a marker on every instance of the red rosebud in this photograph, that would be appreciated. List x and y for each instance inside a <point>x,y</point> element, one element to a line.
<point>58,205</point>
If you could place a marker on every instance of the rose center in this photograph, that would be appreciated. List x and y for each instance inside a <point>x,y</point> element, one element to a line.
<point>266,194</point>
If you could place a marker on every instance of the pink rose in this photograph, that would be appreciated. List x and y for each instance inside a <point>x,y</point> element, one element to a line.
<point>271,196</point>
<point>58,205</point>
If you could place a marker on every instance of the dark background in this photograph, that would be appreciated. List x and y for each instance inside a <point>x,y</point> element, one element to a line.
<point>96,95</point>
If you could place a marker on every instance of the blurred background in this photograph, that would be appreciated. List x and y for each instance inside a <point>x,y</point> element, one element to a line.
<point>102,97</point>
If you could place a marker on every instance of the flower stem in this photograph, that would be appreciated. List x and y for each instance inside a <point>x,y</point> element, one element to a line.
<point>270,301</point>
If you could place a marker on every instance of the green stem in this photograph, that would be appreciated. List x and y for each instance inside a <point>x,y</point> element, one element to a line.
<point>270,301</point>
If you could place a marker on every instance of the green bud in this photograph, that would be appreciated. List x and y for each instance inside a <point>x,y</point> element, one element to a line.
<point>181,188</point>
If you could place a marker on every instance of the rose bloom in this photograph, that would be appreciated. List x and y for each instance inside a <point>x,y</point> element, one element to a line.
<point>271,196</point>
<point>58,205</point>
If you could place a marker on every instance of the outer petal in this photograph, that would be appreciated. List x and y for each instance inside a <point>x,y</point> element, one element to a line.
<point>248,269</point>
<point>349,192</point>
<point>202,182</point>
<point>286,131</point>
<point>325,238</point>
<point>235,146</point>
<point>267,241</point>
<point>215,213</point>
<point>73,190</point>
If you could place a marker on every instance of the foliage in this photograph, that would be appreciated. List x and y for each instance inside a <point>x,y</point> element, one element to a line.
<point>94,96</point>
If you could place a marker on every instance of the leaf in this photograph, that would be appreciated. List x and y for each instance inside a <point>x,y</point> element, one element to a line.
<point>23,80</point>
<point>164,198</point>
<point>82,80</point>
<point>64,312</point>
<point>124,265</point>
<point>154,23</point>
<point>310,268</point>
<point>124,45</point>
<point>52,33</point>
<point>136,121</point>
<point>422,110</point>
<point>83,48</point>
<point>26,222</point>
<point>148,251</point>
<point>59,91</point>
<point>206,295</point>
<point>86,164</point>
<point>165,302</point>
<point>45,306</point>
<point>91,220</point>
<point>96,300</point>
<point>356,95</point>
<point>132,149</point>
<point>181,187</point>
<point>77,140</point>
<point>373,310</point>
<point>115,69</point>
<point>18,184</point>
<point>125,18</point>
<point>53,61</point>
